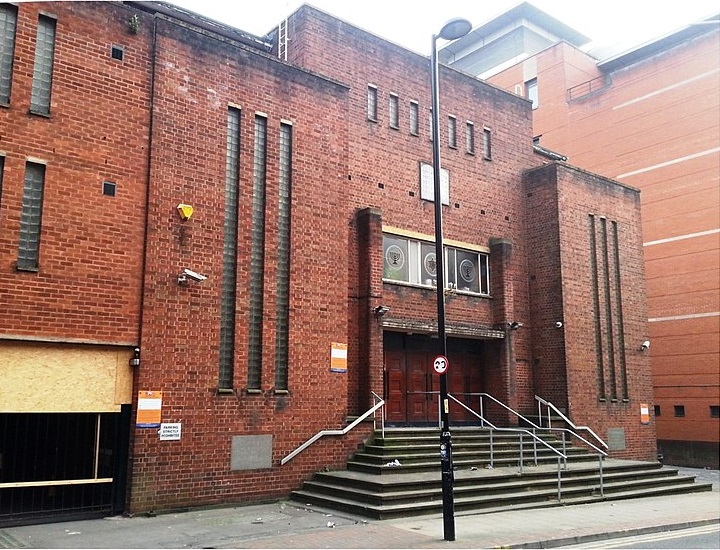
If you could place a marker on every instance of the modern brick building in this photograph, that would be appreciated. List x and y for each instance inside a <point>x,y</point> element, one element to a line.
<point>200,229</point>
<point>649,117</point>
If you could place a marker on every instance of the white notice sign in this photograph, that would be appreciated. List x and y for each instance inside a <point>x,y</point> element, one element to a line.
<point>170,432</point>
<point>427,184</point>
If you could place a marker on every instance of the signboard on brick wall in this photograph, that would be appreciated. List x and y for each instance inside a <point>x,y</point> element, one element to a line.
<point>427,184</point>
<point>338,357</point>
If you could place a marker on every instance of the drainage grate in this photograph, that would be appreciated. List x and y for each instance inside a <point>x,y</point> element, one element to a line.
<point>8,541</point>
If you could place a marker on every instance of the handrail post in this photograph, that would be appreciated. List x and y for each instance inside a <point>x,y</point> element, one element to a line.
<point>559,482</point>
<point>521,453</point>
<point>602,488</point>
<point>492,451</point>
<point>535,446</point>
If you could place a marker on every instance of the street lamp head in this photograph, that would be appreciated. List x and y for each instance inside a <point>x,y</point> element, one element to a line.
<point>455,28</point>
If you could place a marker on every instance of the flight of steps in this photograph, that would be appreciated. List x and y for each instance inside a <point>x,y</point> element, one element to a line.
<point>399,475</point>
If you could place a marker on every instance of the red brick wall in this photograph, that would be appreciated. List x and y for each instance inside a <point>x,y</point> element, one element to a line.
<point>196,79</point>
<point>575,195</point>
<point>654,123</point>
<point>88,285</point>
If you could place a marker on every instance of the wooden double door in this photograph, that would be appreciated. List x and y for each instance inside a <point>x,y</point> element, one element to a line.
<point>412,386</point>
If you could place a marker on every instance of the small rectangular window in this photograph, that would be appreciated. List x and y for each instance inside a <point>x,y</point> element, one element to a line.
<point>8,25</point>
<point>31,217</point>
<point>714,411</point>
<point>452,132</point>
<point>394,113</point>
<point>679,410</point>
<point>414,120</point>
<point>109,188</point>
<point>487,146</point>
<point>116,52</point>
<point>470,138</point>
<point>656,409</point>
<point>43,68</point>
<point>531,92</point>
<point>372,112</point>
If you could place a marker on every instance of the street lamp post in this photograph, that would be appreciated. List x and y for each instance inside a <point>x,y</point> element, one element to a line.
<point>452,30</point>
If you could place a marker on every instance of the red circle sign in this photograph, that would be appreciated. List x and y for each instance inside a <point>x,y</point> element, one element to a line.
<point>440,364</point>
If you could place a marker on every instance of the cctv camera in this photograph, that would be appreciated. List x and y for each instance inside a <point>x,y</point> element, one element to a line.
<point>558,324</point>
<point>194,276</point>
<point>645,345</point>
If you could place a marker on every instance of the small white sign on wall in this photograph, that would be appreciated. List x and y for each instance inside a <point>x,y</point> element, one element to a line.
<point>427,184</point>
<point>170,432</point>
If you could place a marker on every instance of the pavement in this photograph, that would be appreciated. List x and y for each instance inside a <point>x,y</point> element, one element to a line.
<point>286,524</point>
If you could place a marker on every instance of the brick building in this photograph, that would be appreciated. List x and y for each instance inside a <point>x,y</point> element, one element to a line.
<point>238,209</point>
<point>647,116</point>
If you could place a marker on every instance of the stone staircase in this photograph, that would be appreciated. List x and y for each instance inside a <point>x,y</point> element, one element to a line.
<point>399,475</point>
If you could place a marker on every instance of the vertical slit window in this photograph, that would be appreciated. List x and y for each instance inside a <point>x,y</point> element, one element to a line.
<point>470,138</point>
<point>620,316</point>
<point>609,322</point>
<point>257,257</point>
<point>229,274</point>
<point>31,217</point>
<point>394,113</point>
<point>8,25</point>
<point>452,132</point>
<point>283,267</point>
<point>487,145</point>
<point>599,354</point>
<point>372,111</point>
<point>43,68</point>
<point>414,120</point>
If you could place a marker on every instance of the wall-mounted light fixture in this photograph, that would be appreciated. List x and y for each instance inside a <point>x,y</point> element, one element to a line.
<point>645,345</point>
<point>135,361</point>
<point>185,211</point>
<point>379,311</point>
<point>515,325</point>
<point>558,324</point>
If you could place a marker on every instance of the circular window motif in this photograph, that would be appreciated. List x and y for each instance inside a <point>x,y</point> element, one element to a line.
<point>467,271</point>
<point>430,264</point>
<point>395,257</point>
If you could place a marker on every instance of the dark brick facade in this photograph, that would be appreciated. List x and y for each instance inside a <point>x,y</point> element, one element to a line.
<point>156,124</point>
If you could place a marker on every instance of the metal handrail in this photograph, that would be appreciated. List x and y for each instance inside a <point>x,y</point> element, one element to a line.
<point>565,419</point>
<point>377,405</point>
<point>484,421</point>
<point>535,438</point>
<point>549,428</point>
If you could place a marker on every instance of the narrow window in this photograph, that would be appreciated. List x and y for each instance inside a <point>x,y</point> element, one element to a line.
<point>414,121</point>
<point>8,24</point>
<point>452,132</point>
<point>257,257</point>
<point>679,410</point>
<point>394,112</point>
<point>714,411</point>
<point>656,409</point>
<point>43,68</point>
<point>531,92</point>
<point>372,103</point>
<point>487,146</point>
<point>31,217</point>
<point>470,138</point>
<point>282,328</point>
<point>228,307</point>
